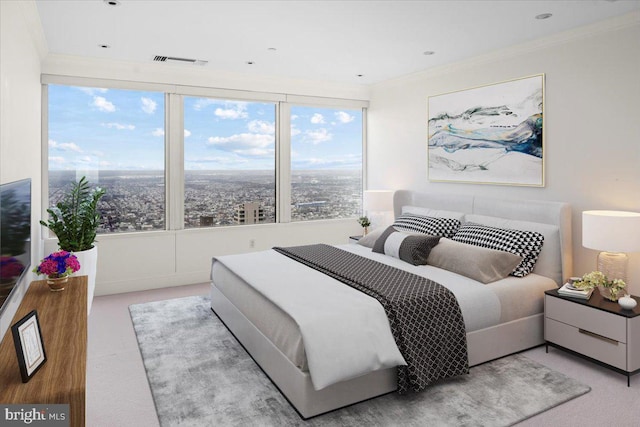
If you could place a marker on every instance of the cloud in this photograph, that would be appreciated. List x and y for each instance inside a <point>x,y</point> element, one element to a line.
<point>158,132</point>
<point>317,136</point>
<point>187,133</point>
<point>64,146</point>
<point>246,144</point>
<point>118,126</point>
<point>234,111</point>
<point>103,105</point>
<point>344,117</point>
<point>353,161</point>
<point>202,103</point>
<point>148,105</point>
<point>317,118</point>
<point>261,126</point>
<point>93,90</point>
<point>84,159</point>
<point>294,116</point>
<point>295,131</point>
<point>57,160</point>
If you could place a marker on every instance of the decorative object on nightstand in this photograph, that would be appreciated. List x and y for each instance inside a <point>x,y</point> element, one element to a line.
<point>613,233</point>
<point>598,330</point>
<point>627,302</point>
<point>610,289</point>
<point>365,224</point>
<point>378,204</point>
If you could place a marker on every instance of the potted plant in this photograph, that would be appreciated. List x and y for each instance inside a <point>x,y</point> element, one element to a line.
<point>365,223</point>
<point>75,220</point>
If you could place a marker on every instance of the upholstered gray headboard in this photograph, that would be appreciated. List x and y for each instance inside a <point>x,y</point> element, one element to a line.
<point>556,258</point>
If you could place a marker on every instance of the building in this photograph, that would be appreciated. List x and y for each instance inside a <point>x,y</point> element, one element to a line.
<point>248,213</point>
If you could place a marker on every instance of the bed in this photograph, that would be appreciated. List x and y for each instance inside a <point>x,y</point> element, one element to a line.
<point>510,321</point>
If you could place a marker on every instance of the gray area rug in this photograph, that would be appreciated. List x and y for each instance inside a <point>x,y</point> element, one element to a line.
<point>201,376</point>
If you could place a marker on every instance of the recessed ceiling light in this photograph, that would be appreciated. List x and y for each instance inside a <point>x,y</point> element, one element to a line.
<point>428,52</point>
<point>272,48</point>
<point>359,75</point>
<point>249,62</point>
<point>104,46</point>
<point>111,2</point>
<point>544,16</point>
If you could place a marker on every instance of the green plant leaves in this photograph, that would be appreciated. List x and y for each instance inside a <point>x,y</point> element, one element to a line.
<point>75,219</point>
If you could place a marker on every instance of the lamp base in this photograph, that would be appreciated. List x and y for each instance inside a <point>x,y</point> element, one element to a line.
<point>613,265</point>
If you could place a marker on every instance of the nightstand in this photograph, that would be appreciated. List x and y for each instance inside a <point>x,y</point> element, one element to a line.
<point>596,329</point>
<point>354,239</point>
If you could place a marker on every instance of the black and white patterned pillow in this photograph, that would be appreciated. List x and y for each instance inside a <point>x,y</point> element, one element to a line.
<point>411,248</point>
<point>442,227</point>
<point>526,244</point>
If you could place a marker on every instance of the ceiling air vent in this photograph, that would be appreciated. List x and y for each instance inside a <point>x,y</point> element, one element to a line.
<point>174,60</point>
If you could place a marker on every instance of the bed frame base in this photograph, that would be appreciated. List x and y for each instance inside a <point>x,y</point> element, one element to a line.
<point>296,386</point>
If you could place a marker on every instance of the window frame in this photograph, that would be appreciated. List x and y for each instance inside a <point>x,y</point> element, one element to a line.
<point>174,138</point>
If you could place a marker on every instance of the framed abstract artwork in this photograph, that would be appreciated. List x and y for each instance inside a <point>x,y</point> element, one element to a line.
<point>492,134</point>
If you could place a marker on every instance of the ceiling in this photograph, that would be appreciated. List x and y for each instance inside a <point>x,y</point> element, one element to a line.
<point>319,40</point>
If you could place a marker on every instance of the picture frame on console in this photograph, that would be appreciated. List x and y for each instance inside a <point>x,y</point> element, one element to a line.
<point>491,134</point>
<point>29,345</point>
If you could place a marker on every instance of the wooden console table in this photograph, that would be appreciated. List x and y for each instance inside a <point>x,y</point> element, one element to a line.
<point>63,324</point>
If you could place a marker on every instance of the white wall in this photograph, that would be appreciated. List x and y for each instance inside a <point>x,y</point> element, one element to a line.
<point>21,48</point>
<point>138,261</point>
<point>592,109</point>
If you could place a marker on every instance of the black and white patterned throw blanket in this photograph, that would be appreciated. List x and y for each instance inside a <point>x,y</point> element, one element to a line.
<point>425,317</point>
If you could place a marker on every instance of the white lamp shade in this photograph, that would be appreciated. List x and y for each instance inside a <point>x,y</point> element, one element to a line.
<point>378,200</point>
<point>611,231</point>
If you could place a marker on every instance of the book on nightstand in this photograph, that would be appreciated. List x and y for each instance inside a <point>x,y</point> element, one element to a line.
<point>568,290</point>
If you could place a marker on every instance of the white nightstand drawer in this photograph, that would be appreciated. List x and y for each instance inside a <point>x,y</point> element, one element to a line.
<point>585,342</point>
<point>597,321</point>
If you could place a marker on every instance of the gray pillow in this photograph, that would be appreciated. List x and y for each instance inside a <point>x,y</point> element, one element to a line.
<point>482,264</point>
<point>370,238</point>
<point>411,248</point>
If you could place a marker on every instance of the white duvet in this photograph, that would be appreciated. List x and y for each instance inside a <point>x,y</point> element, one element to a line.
<point>346,333</point>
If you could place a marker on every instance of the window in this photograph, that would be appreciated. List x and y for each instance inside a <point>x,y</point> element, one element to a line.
<point>115,138</point>
<point>229,162</point>
<point>228,158</point>
<point>326,163</point>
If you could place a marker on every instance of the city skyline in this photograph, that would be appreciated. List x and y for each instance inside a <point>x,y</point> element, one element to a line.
<point>135,200</point>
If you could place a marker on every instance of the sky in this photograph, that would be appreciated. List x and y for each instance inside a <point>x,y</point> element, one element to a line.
<point>115,129</point>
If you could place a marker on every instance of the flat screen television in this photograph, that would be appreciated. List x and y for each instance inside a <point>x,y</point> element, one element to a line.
<point>15,235</point>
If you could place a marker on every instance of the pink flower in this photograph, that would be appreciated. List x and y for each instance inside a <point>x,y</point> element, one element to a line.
<point>72,263</point>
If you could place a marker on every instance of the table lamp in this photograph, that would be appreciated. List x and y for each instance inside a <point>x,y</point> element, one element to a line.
<point>614,233</point>
<point>377,202</point>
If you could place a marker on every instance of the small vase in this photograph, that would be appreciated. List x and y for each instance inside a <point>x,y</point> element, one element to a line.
<point>366,230</point>
<point>609,294</point>
<point>56,284</point>
<point>627,302</point>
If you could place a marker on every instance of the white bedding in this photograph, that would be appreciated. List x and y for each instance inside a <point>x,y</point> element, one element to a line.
<point>345,332</point>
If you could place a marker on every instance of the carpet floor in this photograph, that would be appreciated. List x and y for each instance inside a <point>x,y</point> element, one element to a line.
<point>200,375</point>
